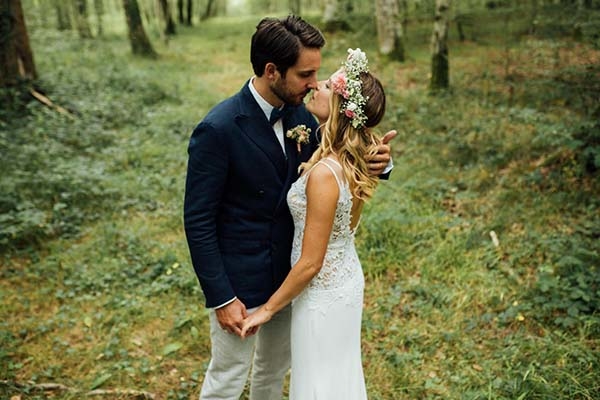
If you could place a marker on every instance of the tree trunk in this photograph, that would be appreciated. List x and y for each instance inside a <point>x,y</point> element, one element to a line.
<point>220,8</point>
<point>389,29</point>
<point>140,44</point>
<point>188,20</point>
<point>295,7</point>
<point>166,13</point>
<point>334,16</point>
<point>209,10</point>
<point>180,11</point>
<point>439,47</point>
<point>63,18</point>
<point>99,9</point>
<point>403,6</point>
<point>41,9</point>
<point>16,57</point>
<point>81,14</point>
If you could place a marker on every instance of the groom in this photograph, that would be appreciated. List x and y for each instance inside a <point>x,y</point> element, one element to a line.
<point>237,222</point>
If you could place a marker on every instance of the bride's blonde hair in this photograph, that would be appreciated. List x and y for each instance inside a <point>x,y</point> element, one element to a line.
<point>353,144</point>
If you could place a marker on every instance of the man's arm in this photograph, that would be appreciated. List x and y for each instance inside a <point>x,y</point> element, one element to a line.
<point>205,184</point>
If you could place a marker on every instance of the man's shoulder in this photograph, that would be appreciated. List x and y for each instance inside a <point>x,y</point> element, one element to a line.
<point>228,107</point>
<point>225,112</point>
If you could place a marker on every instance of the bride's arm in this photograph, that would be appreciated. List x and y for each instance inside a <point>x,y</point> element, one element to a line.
<point>322,194</point>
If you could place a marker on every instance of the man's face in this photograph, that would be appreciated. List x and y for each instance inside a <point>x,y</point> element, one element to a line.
<point>299,79</point>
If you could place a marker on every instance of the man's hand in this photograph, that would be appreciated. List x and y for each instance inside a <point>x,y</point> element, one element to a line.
<point>231,317</point>
<point>255,320</point>
<point>380,161</point>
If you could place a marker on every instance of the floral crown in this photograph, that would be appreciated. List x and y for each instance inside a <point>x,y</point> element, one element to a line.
<point>347,84</point>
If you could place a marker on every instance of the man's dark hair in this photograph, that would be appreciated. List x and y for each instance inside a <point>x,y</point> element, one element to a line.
<point>279,41</point>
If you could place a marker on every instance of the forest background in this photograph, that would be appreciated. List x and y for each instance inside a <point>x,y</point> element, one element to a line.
<point>481,253</point>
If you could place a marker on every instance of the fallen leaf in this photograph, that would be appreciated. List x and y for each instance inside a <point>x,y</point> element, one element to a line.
<point>100,381</point>
<point>171,348</point>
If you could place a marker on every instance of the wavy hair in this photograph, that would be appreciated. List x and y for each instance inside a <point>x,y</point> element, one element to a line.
<point>353,145</point>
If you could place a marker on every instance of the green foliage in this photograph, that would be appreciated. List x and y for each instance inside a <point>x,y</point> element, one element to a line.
<point>51,185</point>
<point>58,168</point>
<point>127,266</point>
<point>567,293</point>
<point>587,147</point>
<point>105,281</point>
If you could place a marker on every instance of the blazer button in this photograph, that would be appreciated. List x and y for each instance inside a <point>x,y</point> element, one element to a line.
<point>261,192</point>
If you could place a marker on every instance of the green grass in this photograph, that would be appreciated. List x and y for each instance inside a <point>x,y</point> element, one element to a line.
<point>97,290</point>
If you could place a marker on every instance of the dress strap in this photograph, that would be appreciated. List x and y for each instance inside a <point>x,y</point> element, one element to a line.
<point>325,162</point>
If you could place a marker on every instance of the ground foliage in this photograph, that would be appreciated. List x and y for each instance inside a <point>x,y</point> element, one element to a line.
<point>481,253</point>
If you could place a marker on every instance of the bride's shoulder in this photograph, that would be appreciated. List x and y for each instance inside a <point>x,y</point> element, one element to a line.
<point>322,175</point>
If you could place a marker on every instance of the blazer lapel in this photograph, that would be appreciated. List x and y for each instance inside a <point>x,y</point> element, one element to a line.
<point>255,125</point>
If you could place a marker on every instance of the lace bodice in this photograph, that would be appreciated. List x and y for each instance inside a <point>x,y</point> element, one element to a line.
<point>341,263</point>
<point>327,315</point>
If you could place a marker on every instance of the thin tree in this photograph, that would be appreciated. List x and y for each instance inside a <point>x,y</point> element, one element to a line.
<point>403,6</point>
<point>41,9</point>
<point>99,9</point>
<point>220,8</point>
<point>389,29</point>
<point>533,15</point>
<point>188,20</point>
<point>184,18</point>
<point>180,11</point>
<point>138,39</point>
<point>295,7</point>
<point>83,26</point>
<point>63,19</point>
<point>334,16</point>
<point>166,14</point>
<point>16,57</point>
<point>439,47</point>
<point>209,11</point>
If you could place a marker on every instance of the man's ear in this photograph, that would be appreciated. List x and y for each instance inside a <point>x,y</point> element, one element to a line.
<point>271,71</point>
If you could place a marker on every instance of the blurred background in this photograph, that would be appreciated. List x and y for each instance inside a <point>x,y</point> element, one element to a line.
<point>481,252</point>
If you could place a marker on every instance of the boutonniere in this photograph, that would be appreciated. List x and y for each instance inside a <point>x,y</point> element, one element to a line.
<point>300,134</point>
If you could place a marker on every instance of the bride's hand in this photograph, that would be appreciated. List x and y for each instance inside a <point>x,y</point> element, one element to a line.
<point>253,322</point>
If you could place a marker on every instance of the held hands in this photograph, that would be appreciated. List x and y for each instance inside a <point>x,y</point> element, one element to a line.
<point>254,321</point>
<point>231,317</point>
<point>380,161</point>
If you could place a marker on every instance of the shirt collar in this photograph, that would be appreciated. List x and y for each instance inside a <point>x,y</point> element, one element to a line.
<point>263,104</point>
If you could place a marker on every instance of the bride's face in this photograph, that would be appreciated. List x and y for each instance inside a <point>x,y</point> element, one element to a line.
<point>318,104</point>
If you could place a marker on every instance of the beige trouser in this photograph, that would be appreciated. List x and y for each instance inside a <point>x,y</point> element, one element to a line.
<point>268,352</point>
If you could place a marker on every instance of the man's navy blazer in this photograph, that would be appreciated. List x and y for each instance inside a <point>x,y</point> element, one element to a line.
<point>237,222</point>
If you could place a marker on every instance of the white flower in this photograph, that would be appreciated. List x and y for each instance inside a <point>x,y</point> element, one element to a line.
<point>356,63</point>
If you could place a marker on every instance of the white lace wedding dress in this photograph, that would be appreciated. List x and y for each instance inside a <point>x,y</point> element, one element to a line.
<point>326,316</point>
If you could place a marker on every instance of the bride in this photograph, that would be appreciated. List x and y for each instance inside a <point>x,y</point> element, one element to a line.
<point>326,281</point>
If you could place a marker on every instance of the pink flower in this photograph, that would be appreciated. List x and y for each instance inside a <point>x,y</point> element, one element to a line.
<point>301,134</point>
<point>349,114</point>
<point>338,83</point>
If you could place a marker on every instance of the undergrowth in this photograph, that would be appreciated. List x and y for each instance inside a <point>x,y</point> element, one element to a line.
<point>481,252</point>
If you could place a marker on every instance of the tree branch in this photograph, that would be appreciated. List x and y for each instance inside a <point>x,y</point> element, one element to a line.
<point>47,102</point>
<point>58,387</point>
